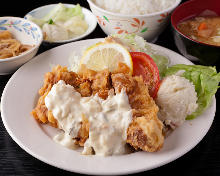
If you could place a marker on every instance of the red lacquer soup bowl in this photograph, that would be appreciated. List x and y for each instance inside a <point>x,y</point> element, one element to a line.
<point>192,49</point>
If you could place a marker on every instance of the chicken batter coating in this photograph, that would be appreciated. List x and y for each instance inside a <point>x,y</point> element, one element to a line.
<point>58,73</point>
<point>145,130</point>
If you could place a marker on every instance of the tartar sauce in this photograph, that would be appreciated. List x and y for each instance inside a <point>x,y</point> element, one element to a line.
<point>108,119</point>
<point>65,140</point>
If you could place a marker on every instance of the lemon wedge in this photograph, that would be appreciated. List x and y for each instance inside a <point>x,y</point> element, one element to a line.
<point>106,56</point>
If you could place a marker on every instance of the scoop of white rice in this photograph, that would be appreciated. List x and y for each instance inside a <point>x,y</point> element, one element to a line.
<point>176,99</point>
<point>134,7</point>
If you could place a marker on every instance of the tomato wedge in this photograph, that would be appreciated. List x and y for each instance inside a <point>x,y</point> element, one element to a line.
<point>144,65</point>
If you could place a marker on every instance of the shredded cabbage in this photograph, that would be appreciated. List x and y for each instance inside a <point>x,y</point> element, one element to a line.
<point>140,45</point>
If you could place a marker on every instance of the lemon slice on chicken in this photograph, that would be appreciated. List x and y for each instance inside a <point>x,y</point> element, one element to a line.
<point>106,56</point>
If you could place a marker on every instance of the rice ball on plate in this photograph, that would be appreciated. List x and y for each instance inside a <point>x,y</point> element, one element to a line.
<point>176,99</point>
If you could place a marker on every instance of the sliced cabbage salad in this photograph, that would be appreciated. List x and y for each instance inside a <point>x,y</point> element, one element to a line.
<point>61,23</point>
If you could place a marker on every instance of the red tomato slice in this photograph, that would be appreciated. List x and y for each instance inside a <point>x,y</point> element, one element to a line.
<point>144,65</point>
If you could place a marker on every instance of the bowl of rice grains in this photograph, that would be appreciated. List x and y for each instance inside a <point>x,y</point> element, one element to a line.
<point>147,19</point>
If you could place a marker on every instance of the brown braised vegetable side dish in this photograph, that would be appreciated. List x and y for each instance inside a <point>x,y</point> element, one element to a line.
<point>10,47</point>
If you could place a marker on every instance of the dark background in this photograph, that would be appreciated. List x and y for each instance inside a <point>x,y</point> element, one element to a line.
<point>204,159</point>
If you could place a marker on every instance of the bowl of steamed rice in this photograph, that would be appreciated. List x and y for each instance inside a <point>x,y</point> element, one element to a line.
<point>146,18</point>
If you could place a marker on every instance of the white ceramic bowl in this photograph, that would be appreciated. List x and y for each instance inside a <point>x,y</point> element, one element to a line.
<point>27,33</point>
<point>40,12</point>
<point>148,26</point>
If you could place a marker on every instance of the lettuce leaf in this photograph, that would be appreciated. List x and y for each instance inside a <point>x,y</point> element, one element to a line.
<point>205,79</point>
<point>162,63</point>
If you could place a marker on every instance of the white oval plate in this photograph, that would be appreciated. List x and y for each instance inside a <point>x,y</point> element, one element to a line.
<point>20,97</point>
<point>40,12</point>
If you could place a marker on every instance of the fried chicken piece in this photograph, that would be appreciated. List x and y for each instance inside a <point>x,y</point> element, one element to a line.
<point>40,112</point>
<point>137,92</point>
<point>88,83</point>
<point>101,85</point>
<point>83,133</point>
<point>145,131</point>
<point>60,73</point>
<point>100,80</point>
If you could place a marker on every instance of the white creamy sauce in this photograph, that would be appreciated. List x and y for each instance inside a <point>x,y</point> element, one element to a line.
<point>108,119</point>
<point>108,125</point>
<point>65,140</point>
<point>64,102</point>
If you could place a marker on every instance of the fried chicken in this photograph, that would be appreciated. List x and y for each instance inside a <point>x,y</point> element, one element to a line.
<point>40,112</point>
<point>100,81</point>
<point>88,83</point>
<point>144,132</point>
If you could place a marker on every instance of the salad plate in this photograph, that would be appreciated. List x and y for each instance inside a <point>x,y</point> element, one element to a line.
<point>20,97</point>
<point>42,11</point>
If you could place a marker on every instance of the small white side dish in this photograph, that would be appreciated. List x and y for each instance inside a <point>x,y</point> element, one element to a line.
<point>27,33</point>
<point>89,18</point>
